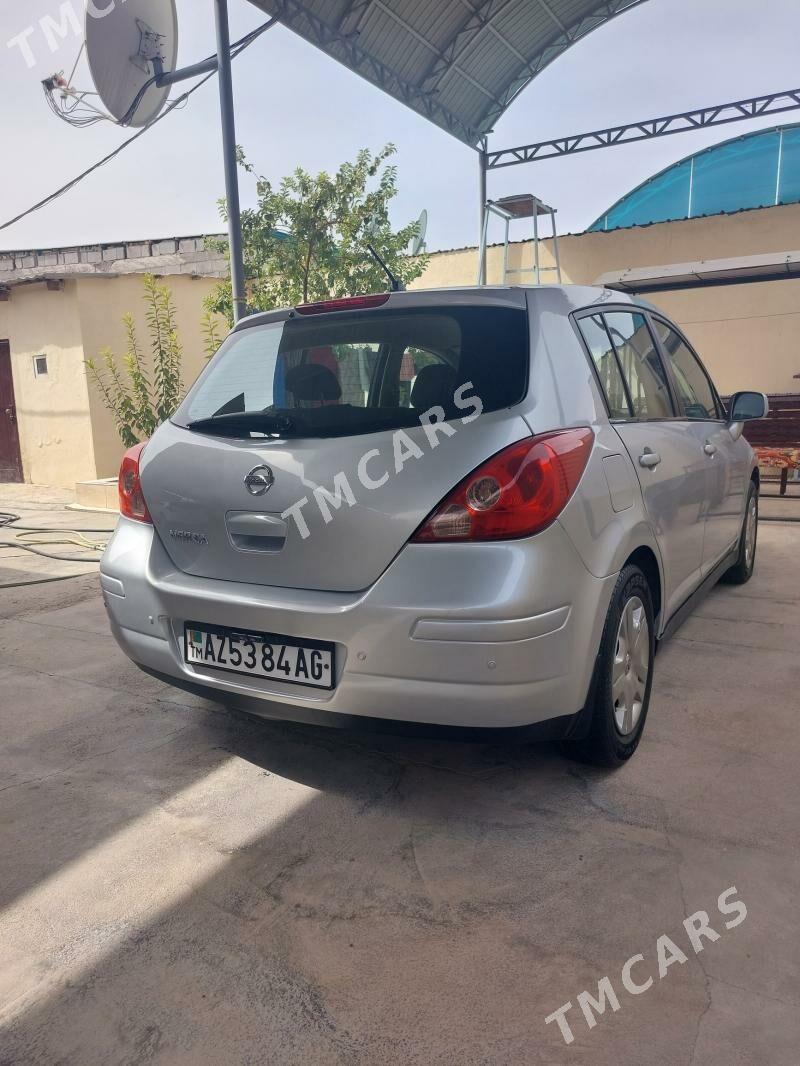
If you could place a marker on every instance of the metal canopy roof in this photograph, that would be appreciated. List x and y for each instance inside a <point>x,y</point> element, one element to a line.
<point>459,63</point>
<point>757,169</point>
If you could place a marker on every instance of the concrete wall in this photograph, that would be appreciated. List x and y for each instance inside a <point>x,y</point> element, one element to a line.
<point>748,335</point>
<point>53,411</point>
<point>101,306</point>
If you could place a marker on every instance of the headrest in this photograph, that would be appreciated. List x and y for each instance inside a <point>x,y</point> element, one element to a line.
<point>311,382</point>
<point>434,386</point>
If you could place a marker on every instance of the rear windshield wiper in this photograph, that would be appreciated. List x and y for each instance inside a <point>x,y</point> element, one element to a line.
<point>338,420</point>
<point>265,422</point>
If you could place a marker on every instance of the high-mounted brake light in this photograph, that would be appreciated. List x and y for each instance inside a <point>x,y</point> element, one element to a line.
<point>131,498</point>
<point>518,492</point>
<point>347,303</point>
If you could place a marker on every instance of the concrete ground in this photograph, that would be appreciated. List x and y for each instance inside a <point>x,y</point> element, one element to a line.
<point>182,885</point>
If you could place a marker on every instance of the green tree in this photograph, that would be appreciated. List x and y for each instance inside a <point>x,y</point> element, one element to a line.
<point>307,240</point>
<point>140,393</point>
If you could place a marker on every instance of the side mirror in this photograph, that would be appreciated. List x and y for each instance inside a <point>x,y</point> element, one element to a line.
<point>746,406</point>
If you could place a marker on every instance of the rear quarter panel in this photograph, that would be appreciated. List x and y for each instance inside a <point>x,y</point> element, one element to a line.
<point>564,392</point>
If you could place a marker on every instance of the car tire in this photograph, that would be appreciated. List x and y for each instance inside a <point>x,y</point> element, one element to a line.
<point>742,570</point>
<point>619,695</point>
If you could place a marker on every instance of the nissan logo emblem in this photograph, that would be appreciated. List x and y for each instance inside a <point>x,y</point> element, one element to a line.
<point>259,481</point>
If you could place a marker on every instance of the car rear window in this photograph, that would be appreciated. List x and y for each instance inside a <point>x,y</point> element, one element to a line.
<point>349,373</point>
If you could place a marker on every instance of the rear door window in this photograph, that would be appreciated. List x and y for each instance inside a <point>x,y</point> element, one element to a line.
<point>605,360</point>
<point>347,373</point>
<point>641,364</point>
<point>691,381</point>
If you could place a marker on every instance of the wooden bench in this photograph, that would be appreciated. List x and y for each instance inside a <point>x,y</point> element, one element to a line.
<point>776,438</point>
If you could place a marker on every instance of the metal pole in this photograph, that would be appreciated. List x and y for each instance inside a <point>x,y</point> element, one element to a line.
<point>482,250</point>
<point>482,169</point>
<point>229,154</point>
<point>536,241</point>
<point>555,245</point>
<point>505,252</point>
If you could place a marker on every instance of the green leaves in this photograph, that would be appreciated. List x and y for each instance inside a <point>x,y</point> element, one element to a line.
<point>307,240</point>
<point>166,350</point>
<point>212,332</point>
<point>139,393</point>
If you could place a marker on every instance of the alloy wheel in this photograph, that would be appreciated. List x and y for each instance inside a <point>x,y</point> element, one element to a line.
<point>751,525</point>
<point>631,666</point>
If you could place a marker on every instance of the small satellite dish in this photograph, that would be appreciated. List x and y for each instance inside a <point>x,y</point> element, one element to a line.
<point>418,241</point>
<point>121,48</point>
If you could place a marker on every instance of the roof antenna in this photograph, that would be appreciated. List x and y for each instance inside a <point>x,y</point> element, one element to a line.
<point>394,281</point>
<point>370,231</point>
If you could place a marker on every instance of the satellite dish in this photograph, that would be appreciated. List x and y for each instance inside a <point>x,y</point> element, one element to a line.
<point>418,241</point>
<point>124,47</point>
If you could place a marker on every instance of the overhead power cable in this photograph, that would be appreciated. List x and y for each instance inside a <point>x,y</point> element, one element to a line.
<point>236,50</point>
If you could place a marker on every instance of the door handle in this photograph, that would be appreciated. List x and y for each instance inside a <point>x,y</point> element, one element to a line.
<point>12,413</point>
<point>709,448</point>
<point>649,459</point>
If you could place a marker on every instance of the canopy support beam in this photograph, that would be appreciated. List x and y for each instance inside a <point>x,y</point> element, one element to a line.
<point>482,196</point>
<point>685,122</point>
<point>227,114</point>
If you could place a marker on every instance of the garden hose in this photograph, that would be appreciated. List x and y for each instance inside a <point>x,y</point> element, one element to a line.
<point>29,538</point>
<point>32,538</point>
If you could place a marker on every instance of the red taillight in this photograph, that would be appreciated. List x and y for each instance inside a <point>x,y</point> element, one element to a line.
<point>518,492</point>
<point>131,499</point>
<point>347,303</point>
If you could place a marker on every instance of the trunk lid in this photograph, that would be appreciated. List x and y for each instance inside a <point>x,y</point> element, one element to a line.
<point>212,527</point>
<point>315,443</point>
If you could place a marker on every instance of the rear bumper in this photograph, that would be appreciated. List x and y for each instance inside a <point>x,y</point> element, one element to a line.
<point>480,636</point>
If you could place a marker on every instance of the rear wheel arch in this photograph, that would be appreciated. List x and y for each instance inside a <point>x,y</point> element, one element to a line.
<point>597,735</point>
<point>647,562</point>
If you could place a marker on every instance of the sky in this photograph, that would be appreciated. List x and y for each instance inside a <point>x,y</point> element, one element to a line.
<point>297,107</point>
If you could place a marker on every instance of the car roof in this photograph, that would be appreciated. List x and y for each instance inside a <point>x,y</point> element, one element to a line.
<point>574,297</point>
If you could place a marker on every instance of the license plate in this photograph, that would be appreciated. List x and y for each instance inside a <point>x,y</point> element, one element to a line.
<point>300,662</point>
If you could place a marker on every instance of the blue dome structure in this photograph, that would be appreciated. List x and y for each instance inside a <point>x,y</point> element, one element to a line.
<point>760,169</point>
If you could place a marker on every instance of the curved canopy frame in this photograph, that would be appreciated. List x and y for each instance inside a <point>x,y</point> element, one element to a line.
<point>459,63</point>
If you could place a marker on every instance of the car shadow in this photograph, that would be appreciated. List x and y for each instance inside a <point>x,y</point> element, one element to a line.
<point>278,856</point>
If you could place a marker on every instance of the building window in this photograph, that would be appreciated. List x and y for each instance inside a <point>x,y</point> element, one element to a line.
<point>40,365</point>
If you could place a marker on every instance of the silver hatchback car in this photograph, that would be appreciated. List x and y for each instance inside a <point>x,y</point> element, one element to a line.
<point>466,507</point>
